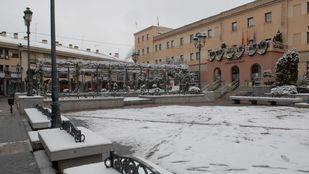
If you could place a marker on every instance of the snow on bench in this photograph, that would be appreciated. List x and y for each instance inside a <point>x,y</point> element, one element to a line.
<point>302,105</point>
<point>272,100</point>
<point>38,120</point>
<point>61,147</point>
<point>117,164</point>
<point>95,168</point>
<point>34,140</point>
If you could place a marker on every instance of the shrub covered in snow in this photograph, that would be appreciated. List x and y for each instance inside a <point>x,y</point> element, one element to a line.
<point>194,90</point>
<point>287,68</point>
<point>283,90</point>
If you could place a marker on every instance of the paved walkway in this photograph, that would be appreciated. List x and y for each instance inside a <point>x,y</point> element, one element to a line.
<point>15,155</point>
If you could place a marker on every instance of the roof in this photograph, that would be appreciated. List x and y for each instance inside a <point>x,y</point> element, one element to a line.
<point>235,11</point>
<point>60,50</point>
<point>151,27</point>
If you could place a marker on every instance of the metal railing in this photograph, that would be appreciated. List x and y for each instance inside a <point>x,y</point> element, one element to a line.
<point>128,165</point>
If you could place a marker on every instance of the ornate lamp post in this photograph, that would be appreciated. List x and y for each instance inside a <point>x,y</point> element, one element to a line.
<point>199,43</point>
<point>27,18</point>
<point>135,56</point>
<point>56,119</point>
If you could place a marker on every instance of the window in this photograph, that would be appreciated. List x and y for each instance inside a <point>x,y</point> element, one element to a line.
<point>181,41</point>
<point>160,60</point>
<point>160,47</point>
<point>197,56</point>
<point>191,38</point>
<point>143,38</point>
<point>234,26</point>
<point>1,68</point>
<point>268,17</point>
<point>147,37</point>
<point>7,69</point>
<point>209,33</point>
<point>307,7</point>
<point>191,56</point>
<point>172,44</point>
<point>138,40</point>
<point>147,50</point>
<point>143,51</point>
<point>181,58</point>
<point>296,39</point>
<point>156,61</point>
<point>156,48</point>
<point>167,45</point>
<point>250,22</point>
<point>147,62</point>
<point>307,37</point>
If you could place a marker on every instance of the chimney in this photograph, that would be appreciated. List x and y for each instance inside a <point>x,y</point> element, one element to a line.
<point>44,41</point>
<point>3,33</point>
<point>76,47</point>
<point>97,51</point>
<point>88,49</point>
<point>15,35</point>
<point>70,45</point>
<point>116,55</point>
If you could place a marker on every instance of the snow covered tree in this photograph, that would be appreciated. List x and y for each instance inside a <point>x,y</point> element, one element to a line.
<point>287,68</point>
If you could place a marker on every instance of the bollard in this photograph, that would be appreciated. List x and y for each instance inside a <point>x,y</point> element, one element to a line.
<point>11,102</point>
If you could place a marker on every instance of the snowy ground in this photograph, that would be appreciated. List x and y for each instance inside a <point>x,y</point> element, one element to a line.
<point>210,139</point>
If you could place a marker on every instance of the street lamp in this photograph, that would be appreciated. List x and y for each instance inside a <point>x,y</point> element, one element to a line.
<point>56,119</point>
<point>135,56</point>
<point>199,43</point>
<point>20,48</point>
<point>27,18</point>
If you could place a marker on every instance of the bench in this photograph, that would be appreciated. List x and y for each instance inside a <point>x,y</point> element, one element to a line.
<point>271,100</point>
<point>116,164</point>
<point>65,151</point>
<point>38,120</point>
<point>34,140</point>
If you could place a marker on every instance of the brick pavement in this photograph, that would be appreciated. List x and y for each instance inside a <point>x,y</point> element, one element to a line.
<point>15,155</point>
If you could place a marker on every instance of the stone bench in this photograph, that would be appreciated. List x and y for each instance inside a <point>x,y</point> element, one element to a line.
<point>38,120</point>
<point>302,105</point>
<point>271,100</point>
<point>64,152</point>
<point>34,140</point>
<point>116,164</point>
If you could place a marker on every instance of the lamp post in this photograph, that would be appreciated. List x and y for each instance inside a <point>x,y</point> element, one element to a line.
<point>135,56</point>
<point>56,119</point>
<point>199,43</point>
<point>27,18</point>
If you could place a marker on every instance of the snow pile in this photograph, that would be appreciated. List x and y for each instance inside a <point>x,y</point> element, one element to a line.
<point>284,90</point>
<point>210,139</point>
<point>194,90</point>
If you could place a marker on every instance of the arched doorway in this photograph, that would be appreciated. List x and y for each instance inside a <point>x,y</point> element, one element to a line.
<point>256,74</point>
<point>217,74</point>
<point>235,74</point>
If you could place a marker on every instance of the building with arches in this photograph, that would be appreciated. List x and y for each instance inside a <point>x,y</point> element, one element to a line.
<point>243,44</point>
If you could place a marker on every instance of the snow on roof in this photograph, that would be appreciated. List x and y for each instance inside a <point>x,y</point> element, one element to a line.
<point>58,140</point>
<point>46,46</point>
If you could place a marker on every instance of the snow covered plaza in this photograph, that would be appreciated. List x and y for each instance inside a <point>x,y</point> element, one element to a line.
<point>209,139</point>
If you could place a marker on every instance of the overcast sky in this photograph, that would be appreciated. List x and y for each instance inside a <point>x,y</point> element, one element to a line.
<point>111,23</point>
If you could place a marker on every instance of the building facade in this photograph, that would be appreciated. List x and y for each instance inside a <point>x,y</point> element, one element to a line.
<point>14,61</point>
<point>246,26</point>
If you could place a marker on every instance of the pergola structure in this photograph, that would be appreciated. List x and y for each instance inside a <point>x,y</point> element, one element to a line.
<point>79,76</point>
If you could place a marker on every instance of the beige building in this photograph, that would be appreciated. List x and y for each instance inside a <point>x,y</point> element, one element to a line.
<point>14,61</point>
<point>250,23</point>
